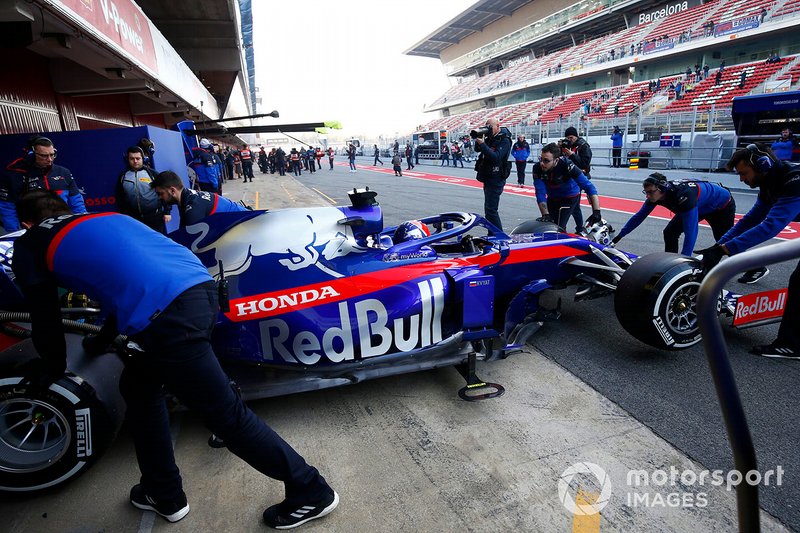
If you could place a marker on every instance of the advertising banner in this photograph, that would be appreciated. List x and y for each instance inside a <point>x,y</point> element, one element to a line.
<point>736,26</point>
<point>119,22</point>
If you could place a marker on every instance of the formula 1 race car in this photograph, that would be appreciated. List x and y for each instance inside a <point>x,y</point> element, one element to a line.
<point>323,297</point>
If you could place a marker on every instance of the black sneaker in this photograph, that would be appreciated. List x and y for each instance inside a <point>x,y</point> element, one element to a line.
<point>172,511</point>
<point>776,350</point>
<point>751,276</point>
<point>283,516</point>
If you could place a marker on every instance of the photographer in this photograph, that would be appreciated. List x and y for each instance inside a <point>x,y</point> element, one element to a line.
<point>558,184</point>
<point>577,150</point>
<point>493,144</point>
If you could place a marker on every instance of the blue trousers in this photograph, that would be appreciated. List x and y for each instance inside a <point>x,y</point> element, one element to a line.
<point>178,359</point>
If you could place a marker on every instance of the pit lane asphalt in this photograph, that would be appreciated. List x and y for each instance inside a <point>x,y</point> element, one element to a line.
<point>406,454</point>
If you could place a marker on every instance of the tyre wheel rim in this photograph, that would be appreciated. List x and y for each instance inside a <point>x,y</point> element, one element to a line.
<point>682,309</point>
<point>33,435</point>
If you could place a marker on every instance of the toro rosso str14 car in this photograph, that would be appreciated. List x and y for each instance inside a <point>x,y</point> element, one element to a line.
<point>327,296</point>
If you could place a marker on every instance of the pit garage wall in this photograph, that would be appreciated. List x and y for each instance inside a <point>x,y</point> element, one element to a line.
<point>28,102</point>
<point>97,157</point>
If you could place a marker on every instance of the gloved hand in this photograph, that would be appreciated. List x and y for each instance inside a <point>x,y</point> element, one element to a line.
<point>545,218</point>
<point>711,256</point>
<point>94,345</point>
<point>594,218</point>
<point>39,374</point>
<point>615,240</point>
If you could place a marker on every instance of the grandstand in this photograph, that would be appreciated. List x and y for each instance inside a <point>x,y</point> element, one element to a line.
<point>595,61</point>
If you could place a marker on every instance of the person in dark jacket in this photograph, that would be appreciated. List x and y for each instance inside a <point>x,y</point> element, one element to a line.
<point>559,182</point>
<point>777,204</point>
<point>377,154</point>
<point>246,155</point>
<point>491,166</point>
<point>521,151</point>
<point>36,170</point>
<point>193,206</point>
<point>134,195</point>
<point>161,296</point>
<point>577,150</point>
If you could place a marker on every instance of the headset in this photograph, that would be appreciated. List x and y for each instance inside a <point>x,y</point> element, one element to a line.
<point>760,159</point>
<point>33,139</point>
<point>659,180</point>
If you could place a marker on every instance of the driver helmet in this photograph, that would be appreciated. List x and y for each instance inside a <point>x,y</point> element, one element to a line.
<point>411,230</point>
<point>205,143</point>
<point>600,232</point>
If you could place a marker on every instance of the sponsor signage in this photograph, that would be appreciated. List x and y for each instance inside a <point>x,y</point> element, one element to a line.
<point>651,47</point>
<point>664,11</point>
<point>735,26</point>
<point>122,24</point>
<point>758,307</point>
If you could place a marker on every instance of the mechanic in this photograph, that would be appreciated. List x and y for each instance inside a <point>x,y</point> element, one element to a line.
<point>36,170</point>
<point>577,150</point>
<point>193,206</point>
<point>691,201</point>
<point>205,167</point>
<point>247,162</point>
<point>493,146</point>
<point>777,204</point>
<point>168,316</point>
<point>558,183</point>
<point>134,195</point>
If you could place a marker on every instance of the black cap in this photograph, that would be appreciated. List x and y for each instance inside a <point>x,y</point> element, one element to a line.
<point>570,131</point>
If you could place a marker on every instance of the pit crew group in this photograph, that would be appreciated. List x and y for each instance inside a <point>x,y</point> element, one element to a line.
<point>170,318</point>
<point>562,175</point>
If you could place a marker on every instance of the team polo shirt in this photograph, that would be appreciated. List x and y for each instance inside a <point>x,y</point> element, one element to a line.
<point>134,272</point>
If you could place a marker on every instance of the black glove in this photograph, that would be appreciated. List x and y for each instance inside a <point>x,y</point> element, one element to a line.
<point>594,218</point>
<point>545,218</point>
<point>39,374</point>
<point>711,257</point>
<point>616,239</point>
<point>94,345</point>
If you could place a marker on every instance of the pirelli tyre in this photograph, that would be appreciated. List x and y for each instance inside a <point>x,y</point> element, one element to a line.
<point>54,436</point>
<point>656,300</point>
<point>536,226</point>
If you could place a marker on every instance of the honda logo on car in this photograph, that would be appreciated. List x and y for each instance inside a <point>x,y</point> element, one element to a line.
<point>759,306</point>
<point>268,304</point>
<point>372,335</point>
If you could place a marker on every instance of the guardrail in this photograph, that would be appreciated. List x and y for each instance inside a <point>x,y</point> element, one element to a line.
<point>741,440</point>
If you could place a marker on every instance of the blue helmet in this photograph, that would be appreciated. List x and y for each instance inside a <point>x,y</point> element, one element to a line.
<point>411,230</point>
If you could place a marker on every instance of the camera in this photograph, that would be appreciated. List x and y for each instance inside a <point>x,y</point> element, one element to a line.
<point>480,132</point>
<point>564,143</point>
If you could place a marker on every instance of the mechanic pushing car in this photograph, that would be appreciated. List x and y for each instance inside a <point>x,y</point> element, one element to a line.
<point>493,143</point>
<point>558,183</point>
<point>777,204</point>
<point>169,318</point>
<point>193,206</point>
<point>691,201</point>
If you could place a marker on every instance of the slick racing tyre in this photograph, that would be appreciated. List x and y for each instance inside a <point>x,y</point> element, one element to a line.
<point>53,436</point>
<point>536,226</point>
<point>656,300</point>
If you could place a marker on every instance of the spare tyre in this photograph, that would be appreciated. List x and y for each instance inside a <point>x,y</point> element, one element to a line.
<point>656,300</point>
<point>53,436</point>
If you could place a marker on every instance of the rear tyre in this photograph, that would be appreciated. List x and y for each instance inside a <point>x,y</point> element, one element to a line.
<point>656,300</point>
<point>536,226</point>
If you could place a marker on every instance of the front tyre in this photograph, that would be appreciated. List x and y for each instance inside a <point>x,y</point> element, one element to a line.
<point>656,300</point>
